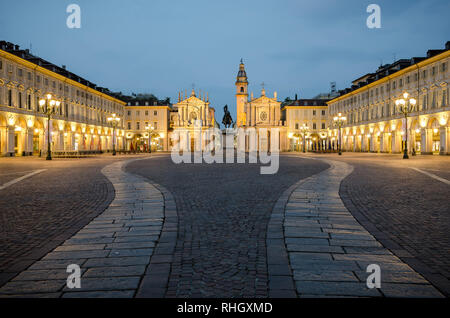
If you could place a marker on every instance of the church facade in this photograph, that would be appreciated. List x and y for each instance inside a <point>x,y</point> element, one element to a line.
<point>191,119</point>
<point>261,115</point>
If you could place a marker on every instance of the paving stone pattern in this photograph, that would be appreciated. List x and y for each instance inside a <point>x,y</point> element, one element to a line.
<point>223,211</point>
<point>113,250</point>
<point>329,251</point>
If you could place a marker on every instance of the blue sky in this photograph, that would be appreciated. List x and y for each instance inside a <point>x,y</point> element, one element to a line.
<point>162,47</point>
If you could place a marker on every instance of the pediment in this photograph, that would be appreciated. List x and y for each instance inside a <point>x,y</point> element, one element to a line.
<point>264,100</point>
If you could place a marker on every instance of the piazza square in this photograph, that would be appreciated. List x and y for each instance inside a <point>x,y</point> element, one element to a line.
<point>208,176</point>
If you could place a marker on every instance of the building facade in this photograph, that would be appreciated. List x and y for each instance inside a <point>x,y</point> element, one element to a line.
<point>306,121</point>
<point>262,114</point>
<point>141,116</point>
<point>191,119</point>
<point>80,122</point>
<point>375,124</point>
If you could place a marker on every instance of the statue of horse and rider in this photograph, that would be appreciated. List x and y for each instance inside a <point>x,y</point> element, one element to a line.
<point>227,120</point>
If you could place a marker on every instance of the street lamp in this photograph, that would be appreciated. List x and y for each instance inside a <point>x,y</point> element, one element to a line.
<point>50,108</point>
<point>114,121</point>
<point>406,106</point>
<point>150,131</point>
<point>339,121</point>
<point>304,129</point>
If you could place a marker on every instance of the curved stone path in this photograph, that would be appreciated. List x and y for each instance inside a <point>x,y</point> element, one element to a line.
<point>328,250</point>
<point>115,251</point>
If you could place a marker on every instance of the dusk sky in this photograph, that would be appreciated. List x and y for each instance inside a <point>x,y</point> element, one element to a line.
<point>162,47</point>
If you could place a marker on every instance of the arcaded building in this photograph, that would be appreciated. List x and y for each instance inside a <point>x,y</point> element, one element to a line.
<point>374,123</point>
<point>80,122</point>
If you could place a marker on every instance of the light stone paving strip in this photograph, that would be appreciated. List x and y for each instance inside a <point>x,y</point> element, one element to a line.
<point>113,250</point>
<point>329,250</point>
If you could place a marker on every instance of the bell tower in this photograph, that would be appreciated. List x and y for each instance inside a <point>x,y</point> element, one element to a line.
<point>241,95</point>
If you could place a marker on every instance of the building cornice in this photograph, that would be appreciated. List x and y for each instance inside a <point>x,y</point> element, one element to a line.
<point>399,73</point>
<point>64,79</point>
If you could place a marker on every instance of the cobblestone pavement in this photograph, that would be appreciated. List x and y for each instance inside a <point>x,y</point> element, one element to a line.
<point>228,231</point>
<point>40,212</point>
<point>223,211</point>
<point>329,250</point>
<point>113,250</point>
<point>405,210</point>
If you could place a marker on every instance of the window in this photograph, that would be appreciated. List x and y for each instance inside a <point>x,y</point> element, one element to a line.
<point>314,113</point>
<point>155,125</point>
<point>242,89</point>
<point>424,73</point>
<point>433,70</point>
<point>1,65</point>
<point>323,125</point>
<point>137,113</point>
<point>38,78</point>
<point>146,124</point>
<point>129,113</point>
<point>146,113</point>
<point>46,82</point>
<point>296,125</point>
<point>9,97</point>
<point>29,76</point>
<point>323,113</point>
<point>314,126</point>
<point>19,72</point>
<point>400,83</point>
<point>138,125</point>
<point>29,101</point>
<point>129,125</point>
<point>155,113</point>
<point>19,97</point>
<point>443,66</point>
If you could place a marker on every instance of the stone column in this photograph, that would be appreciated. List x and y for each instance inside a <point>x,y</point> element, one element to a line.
<point>383,139</point>
<point>253,109</point>
<point>10,134</point>
<point>445,140</point>
<point>28,147</point>
<point>60,141</point>
<point>426,141</point>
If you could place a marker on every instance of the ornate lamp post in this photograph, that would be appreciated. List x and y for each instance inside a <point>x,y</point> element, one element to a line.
<point>114,121</point>
<point>406,106</point>
<point>51,107</point>
<point>339,121</point>
<point>304,129</point>
<point>150,131</point>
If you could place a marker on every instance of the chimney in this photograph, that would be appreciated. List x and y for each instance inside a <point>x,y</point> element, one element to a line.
<point>63,66</point>
<point>275,95</point>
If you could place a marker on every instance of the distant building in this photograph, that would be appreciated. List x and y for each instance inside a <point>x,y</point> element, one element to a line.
<point>311,114</point>
<point>185,114</point>
<point>145,123</point>
<point>261,113</point>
